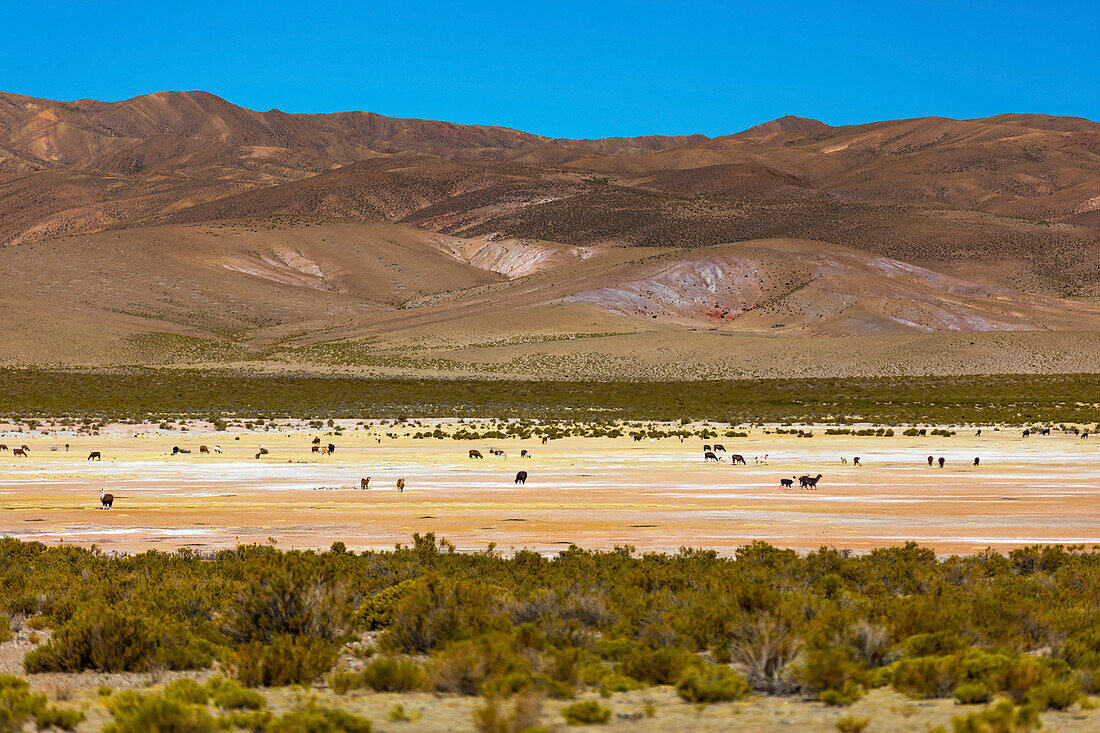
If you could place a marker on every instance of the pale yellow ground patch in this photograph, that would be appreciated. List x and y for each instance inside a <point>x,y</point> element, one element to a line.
<point>595,493</point>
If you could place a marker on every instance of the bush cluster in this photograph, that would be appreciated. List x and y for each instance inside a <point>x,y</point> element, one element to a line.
<point>828,625</point>
<point>19,706</point>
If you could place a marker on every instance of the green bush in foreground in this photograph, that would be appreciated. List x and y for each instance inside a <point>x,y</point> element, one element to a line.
<point>827,624</point>
<point>181,709</point>
<point>712,683</point>
<point>134,713</point>
<point>587,712</point>
<point>18,706</point>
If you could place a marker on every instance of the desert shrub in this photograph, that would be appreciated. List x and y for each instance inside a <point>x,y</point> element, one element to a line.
<point>843,696</point>
<point>586,712</point>
<point>832,670</point>
<point>1012,675</point>
<point>18,706</point>
<point>524,716</point>
<point>438,610</point>
<point>852,724</point>
<point>1017,677</point>
<point>343,682</point>
<point>927,676</point>
<point>228,695</point>
<point>612,682</point>
<point>5,629</point>
<point>398,714</point>
<point>1054,694</point>
<point>134,713</point>
<point>288,660</point>
<point>766,647</point>
<point>290,598</point>
<point>312,718</point>
<point>711,683</point>
<point>870,643</point>
<point>515,682</point>
<point>616,650</point>
<point>1089,679</point>
<point>186,691</point>
<point>936,644</point>
<point>52,716</point>
<point>973,693</point>
<point>1001,717</point>
<point>465,666</point>
<point>376,612</point>
<point>384,674</point>
<point>108,639</point>
<point>658,666</point>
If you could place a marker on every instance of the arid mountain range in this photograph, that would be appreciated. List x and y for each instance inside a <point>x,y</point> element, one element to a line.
<point>179,228</point>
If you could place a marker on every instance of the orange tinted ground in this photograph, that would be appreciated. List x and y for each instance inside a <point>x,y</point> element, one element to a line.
<point>596,493</point>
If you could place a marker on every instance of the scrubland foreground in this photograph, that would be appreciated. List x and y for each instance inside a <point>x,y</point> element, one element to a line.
<point>426,638</point>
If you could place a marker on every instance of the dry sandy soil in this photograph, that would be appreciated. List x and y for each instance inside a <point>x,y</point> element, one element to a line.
<point>595,493</point>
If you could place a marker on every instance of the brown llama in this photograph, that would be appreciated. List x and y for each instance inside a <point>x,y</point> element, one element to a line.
<point>809,482</point>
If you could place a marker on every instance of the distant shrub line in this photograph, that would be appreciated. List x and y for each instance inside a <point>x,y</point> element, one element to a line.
<point>135,393</point>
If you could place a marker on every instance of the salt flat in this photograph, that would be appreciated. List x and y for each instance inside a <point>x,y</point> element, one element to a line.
<point>592,492</point>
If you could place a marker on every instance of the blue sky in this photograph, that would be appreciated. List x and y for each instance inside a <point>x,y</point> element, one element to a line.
<point>571,69</point>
